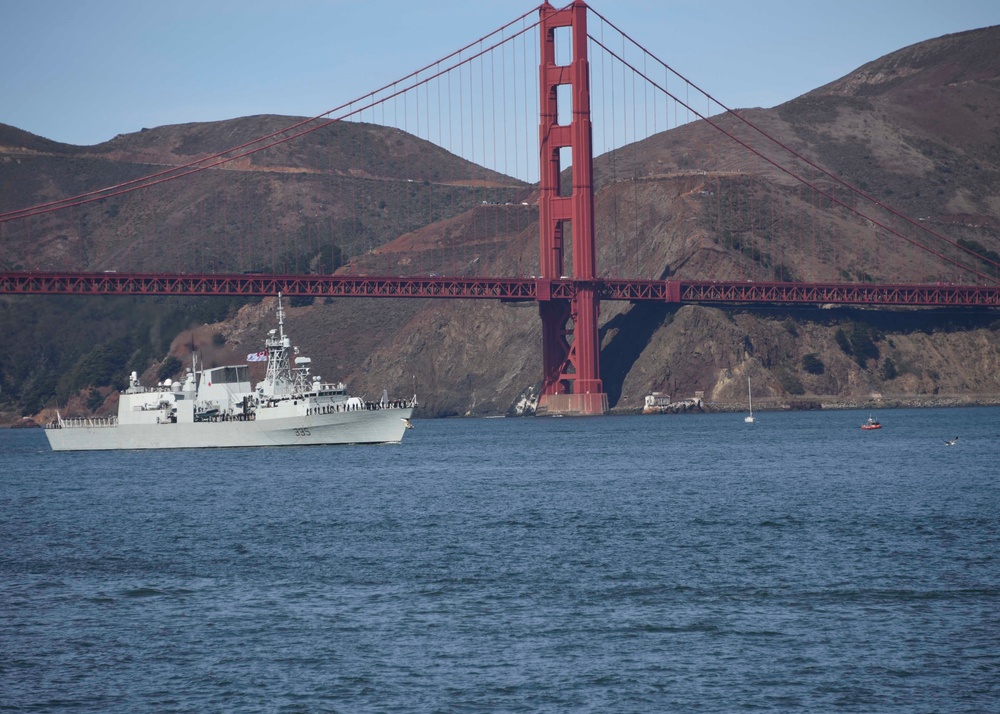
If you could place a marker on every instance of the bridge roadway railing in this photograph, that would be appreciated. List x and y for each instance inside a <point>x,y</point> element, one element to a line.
<point>735,292</point>
<point>505,289</point>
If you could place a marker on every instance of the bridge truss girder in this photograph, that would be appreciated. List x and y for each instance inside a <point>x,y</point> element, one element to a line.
<point>567,291</point>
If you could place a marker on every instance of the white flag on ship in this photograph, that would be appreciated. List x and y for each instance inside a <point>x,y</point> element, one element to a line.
<point>257,357</point>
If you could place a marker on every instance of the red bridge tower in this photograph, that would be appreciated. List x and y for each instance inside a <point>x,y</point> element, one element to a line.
<point>570,340</point>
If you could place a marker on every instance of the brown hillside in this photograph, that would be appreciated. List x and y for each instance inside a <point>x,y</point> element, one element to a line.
<point>916,129</point>
<point>352,186</point>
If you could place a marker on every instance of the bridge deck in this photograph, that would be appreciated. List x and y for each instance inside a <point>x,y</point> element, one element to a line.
<point>506,289</point>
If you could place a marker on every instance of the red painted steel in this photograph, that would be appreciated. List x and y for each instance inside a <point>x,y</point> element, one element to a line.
<point>556,295</point>
<point>568,300</point>
<point>507,289</point>
<point>841,294</point>
<point>570,340</point>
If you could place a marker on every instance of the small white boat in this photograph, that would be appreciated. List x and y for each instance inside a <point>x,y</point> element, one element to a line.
<point>749,418</point>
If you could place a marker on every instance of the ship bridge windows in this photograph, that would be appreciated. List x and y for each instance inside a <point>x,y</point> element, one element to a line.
<point>229,375</point>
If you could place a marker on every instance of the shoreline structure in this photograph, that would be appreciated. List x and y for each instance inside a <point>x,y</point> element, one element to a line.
<point>767,404</point>
<point>832,403</point>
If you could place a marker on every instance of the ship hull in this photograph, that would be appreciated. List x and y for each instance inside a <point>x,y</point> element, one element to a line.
<point>378,426</point>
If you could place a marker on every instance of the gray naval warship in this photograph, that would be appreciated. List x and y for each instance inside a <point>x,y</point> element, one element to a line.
<point>219,407</point>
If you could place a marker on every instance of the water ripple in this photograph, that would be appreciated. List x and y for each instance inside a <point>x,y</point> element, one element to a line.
<point>616,564</point>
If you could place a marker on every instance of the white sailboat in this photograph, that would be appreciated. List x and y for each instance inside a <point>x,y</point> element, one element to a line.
<point>749,418</point>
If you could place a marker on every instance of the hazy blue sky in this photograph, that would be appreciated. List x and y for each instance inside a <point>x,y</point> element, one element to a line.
<point>82,72</point>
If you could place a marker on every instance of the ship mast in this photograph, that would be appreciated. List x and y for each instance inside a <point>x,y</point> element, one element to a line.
<point>278,378</point>
<point>281,319</point>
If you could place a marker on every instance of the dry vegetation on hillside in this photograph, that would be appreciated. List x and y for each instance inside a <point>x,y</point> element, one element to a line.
<point>916,129</point>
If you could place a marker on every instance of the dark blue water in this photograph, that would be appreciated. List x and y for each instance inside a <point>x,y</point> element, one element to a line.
<point>619,564</point>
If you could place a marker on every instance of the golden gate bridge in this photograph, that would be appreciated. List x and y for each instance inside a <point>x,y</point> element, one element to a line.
<point>687,201</point>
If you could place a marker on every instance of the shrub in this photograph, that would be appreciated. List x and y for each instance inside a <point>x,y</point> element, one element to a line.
<point>812,364</point>
<point>171,366</point>
<point>842,341</point>
<point>863,343</point>
<point>783,274</point>
<point>94,400</point>
<point>888,370</point>
<point>789,382</point>
<point>858,340</point>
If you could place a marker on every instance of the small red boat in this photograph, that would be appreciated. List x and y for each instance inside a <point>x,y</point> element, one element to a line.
<point>872,423</point>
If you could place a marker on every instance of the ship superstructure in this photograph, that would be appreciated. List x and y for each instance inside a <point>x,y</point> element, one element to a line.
<point>219,407</point>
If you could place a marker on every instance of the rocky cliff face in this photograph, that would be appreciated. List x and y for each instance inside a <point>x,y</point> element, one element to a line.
<point>917,129</point>
<point>804,359</point>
